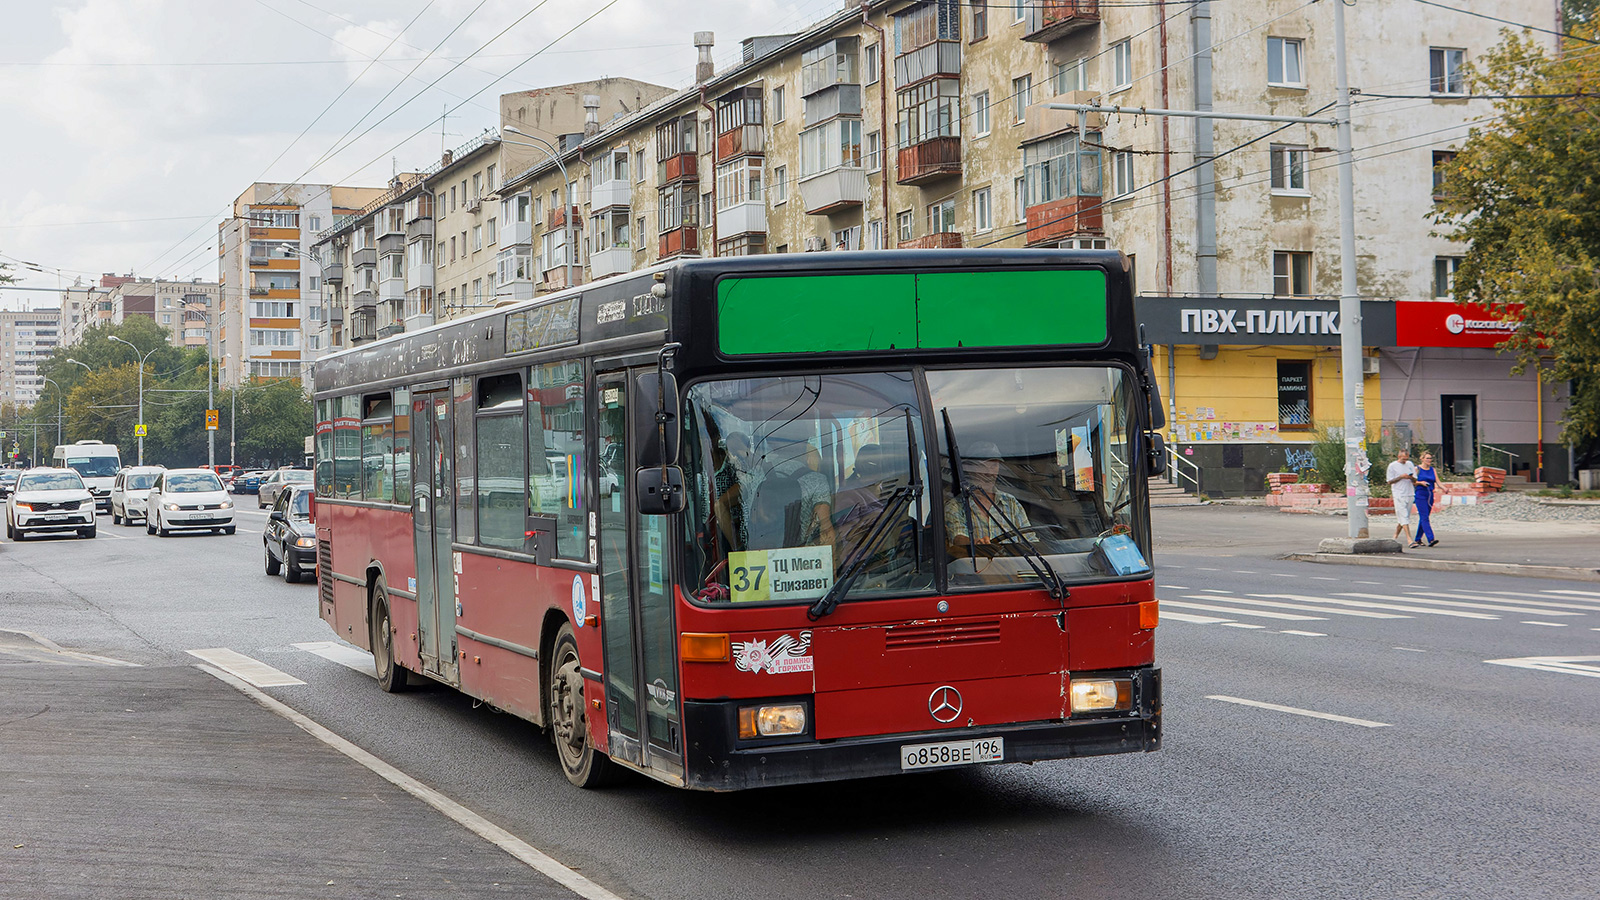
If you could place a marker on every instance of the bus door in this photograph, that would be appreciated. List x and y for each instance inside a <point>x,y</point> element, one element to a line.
<point>641,675</point>
<point>432,472</point>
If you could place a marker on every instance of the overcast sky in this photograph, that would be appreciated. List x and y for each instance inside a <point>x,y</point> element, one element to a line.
<point>128,126</point>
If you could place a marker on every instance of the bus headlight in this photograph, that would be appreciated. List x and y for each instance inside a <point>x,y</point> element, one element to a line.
<point>772,721</point>
<point>1101,694</point>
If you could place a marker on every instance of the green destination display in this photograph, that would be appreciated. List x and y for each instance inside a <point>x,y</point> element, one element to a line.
<point>928,310</point>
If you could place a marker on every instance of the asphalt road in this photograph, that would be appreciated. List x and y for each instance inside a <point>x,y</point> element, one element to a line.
<point>1408,764</point>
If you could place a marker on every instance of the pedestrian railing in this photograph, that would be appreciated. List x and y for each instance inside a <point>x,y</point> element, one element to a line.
<point>1176,473</point>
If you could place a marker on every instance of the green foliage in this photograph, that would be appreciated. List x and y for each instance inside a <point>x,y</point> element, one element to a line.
<point>1328,452</point>
<point>274,420</point>
<point>1524,194</point>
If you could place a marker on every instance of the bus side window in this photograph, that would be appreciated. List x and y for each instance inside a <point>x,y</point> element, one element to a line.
<point>557,456</point>
<point>500,461</point>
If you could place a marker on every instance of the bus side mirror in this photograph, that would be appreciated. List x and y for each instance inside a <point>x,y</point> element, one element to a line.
<point>659,490</point>
<point>1155,454</point>
<point>655,407</point>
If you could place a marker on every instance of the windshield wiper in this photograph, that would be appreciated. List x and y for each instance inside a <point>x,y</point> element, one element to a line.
<point>900,498</point>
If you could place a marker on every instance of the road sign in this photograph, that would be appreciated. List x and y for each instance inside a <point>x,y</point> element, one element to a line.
<point>211,420</point>
<point>140,430</point>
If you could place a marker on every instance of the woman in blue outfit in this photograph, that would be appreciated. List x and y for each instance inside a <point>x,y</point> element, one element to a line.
<point>1427,482</point>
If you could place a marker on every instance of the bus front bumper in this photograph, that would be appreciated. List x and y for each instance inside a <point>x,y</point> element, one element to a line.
<point>718,761</point>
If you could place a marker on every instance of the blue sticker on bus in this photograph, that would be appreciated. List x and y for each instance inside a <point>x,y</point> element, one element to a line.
<point>1122,554</point>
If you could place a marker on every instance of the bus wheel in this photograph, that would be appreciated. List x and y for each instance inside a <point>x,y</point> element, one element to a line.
<point>584,766</point>
<point>391,675</point>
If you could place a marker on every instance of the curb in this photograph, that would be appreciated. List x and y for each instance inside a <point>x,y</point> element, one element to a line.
<point>1566,573</point>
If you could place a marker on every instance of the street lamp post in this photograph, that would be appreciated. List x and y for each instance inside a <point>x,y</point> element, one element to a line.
<point>142,358</point>
<point>566,191</point>
<point>58,407</point>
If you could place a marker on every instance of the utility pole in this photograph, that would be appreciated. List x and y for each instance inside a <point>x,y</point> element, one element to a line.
<point>1355,423</point>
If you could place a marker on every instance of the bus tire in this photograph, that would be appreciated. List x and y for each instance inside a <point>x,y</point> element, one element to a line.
<point>391,675</point>
<point>583,764</point>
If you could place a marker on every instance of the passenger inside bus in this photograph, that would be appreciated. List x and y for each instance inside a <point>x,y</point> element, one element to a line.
<point>982,512</point>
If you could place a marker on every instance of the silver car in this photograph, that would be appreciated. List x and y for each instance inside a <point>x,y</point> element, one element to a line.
<point>130,493</point>
<point>273,485</point>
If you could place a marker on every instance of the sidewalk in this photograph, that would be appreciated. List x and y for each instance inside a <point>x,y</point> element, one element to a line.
<point>136,782</point>
<point>1559,549</point>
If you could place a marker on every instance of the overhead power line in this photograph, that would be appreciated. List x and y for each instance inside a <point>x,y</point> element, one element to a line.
<point>1468,12</point>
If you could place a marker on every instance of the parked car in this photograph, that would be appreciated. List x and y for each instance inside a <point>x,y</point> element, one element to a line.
<point>8,481</point>
<point>49,501</point>
<point>272,485</point>
<point>131,491</point>
<point>290,539</point>
<point>248,482</point>
<point>188,499</point>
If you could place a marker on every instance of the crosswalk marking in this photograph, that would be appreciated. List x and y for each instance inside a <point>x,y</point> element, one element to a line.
<point>1549,596</point>
<point>1566,665</point>
<point>1366,604</point>
<point>1303,633</point>
<point>1258,613</point>
<point>1594,594</point>
<point>245,668</point>
<point>1241,625</point>
<point>343,654</point>
<point>1304,607</point>
<point>1167,614</point>
<point>1497,607</point>
<point>1548,624</point>
<point>1542,604</point>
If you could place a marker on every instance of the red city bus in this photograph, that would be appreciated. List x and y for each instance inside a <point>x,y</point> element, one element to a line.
<point>764,520</point>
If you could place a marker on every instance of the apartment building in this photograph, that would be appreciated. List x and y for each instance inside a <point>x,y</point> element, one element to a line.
<point>27,338</point>
<point>270,306</point>
<point>182,308</point>
<point>466,226</point>
<point>377,264</point>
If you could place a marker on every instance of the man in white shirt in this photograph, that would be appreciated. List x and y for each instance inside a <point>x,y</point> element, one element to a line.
<point>1402,477</point>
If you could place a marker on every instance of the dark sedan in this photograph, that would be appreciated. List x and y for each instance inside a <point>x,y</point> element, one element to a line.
<point>290,538</point>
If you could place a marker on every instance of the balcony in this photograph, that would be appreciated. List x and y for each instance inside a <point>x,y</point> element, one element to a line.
<point>362,300</point>
<point>834,190</point>
<point>363,328</point>
<point>612,261</point>
<point>927,61</point>
<point>684,166</point>
<point>419,276</point>
<point>392,289</point>
<point>556,279</point>
<point>608,194</point>
<point>516,233</point>
<point>390,329</point>
<point>928,161</point>
<point>1052,20</point>
<point>391,243</point>
<point>939,240</point>
<point>333,273</point>
<point>419,321</point>
<point>749,217</point>
<point>679,241</point>
<point>420,228</point>
<point>834,100</point>
<point>366,257</point>
<point>745,139</point>
<point>256,291</point>
<point>558,217</point>
<point>1058,219</point>
<point>259,262</point>
<point>1043,122</point>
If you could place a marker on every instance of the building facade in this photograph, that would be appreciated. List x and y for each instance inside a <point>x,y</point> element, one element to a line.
<point>27,338</point>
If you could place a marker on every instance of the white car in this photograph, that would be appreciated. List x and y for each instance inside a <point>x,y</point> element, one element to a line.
<point>130,492</point>
<point>188,499</point>
<point>49,501</point>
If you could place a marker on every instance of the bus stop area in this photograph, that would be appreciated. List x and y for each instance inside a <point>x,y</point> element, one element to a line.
<point>145,781</point>
<point>1524,538</point>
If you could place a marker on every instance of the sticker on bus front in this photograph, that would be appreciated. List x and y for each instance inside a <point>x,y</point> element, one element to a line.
<point>791,573</point>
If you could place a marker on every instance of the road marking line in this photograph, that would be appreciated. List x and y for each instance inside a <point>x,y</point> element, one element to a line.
<point>1525,596</point>
<point>1178,587</point>
<point>1245,572</point>
<point>1565,665</point>
<point>59,650</point>
<point>1418,597</point>
<point>343,654</point>
<point>1594,594</point>
<point>1429,610</point>
<point>1191,619</point>
<point>1362,614</point>
<point>1303,633</point>
<point>1322,578</point>
<point>1284,575</point>
<point>494,834</point>
<point>1411,650</point>
<point>1216,591</point>
<point>1378,583</point>
<point>1241,625</point>
<point>1541,604</point>
<point>1364,723</point>
<point>1257,613</point>
<point>1206,569</point>
<point>244,668</point>
<point>1548,624</point>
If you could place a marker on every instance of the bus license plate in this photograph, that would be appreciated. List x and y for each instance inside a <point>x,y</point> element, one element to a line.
<point>951,753</point>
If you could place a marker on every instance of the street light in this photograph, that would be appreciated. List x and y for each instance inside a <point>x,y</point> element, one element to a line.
<point>58,406</point>
<point>86,367</point>
<point>566,189</point>
<point>142,358</point>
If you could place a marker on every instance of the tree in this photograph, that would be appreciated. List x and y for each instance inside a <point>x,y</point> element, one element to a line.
<point>274,421</point>
<point>1524,194</point>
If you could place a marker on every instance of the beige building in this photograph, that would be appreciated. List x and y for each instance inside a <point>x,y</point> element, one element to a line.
<point>27,338</point>
<point>270,310</point>
<point>466,226</point>
<point>182,308</point>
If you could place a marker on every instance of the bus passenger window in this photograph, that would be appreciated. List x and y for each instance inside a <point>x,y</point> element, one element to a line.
<point>557,456</point>
<point>402,447</point>
<point>377,448</point>
<point>347,448</point>
<point>500,462</point>
<point>324,432</point>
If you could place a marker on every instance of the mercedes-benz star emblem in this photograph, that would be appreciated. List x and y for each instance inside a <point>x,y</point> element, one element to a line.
<point>944,704</point>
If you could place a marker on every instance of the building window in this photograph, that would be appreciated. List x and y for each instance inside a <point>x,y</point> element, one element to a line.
<point>874,146</point>
<point>1021,98</point>
<point>872,63</point>
<point>980,113</point>
<point>1019,194</point>
<point>638,165</point>
<point>1061,167</point>
<point>777,104</point>
<point>927,110</point>
<point>639,245</point>
<point>1294,394</point>
<point>1020,9</point>
<point>903,226</point>
<point>1284,62</point>
<point>1441,166</point>
<point>847,238</point>
<point>1122,65</point>
<point>452,198</point>
<point>477,238</point>
<point>490,176</point>
<point>737,182</point>
<point>1288,168</point>
<point>1445,70</point>
<point>942,216</point>
<point>1291,274</point>
<point>1444,276</point>
<point>982,210</point>
<point>314,223</point>
<point>874,238</point>
<point>1072,76</point>
<point>780,185</point>
<point>980,20</point>
<point>834,143</point>
<point>491,232</point>
<point>1122,183</point>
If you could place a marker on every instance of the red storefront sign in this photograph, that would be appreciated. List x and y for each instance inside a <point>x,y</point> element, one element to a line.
<point>1422,323</point>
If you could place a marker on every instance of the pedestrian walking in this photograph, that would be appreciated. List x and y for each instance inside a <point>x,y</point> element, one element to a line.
<point>1402,474</point>
<point>1427,481</point>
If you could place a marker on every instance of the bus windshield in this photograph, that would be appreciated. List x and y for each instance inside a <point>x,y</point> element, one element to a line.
<point>1042,470</point>
<point>95,466</point>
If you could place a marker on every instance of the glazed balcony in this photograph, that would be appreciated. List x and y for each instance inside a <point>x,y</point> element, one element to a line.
<point>609,194</point>
<point>834,190</point>
<point>611,261</point>
<point>366,257</point>
<point>559,217</point>
<point>683,167</point>
<point>1059,219</point>
<point>939,240</point>
<point>679,241</point>
<point>928,161</point>
<point>741,141</point>
<point>392,243</point>
<point>1052,20</point>
<point>420,228</point>
<point>928,61</point>
<point>749,217</point>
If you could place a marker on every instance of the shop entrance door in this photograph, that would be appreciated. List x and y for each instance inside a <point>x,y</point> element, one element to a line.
<point>1459,424</point>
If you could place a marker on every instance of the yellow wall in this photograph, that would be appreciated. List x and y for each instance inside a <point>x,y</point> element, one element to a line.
<point>1241,385</point>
